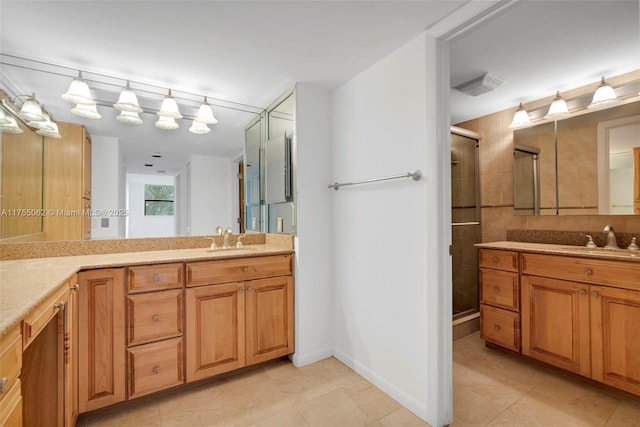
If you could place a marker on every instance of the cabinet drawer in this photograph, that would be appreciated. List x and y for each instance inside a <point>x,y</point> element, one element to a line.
<point>237,269</point>
<point>154,277</point>
<point>587,270</point>
<point>155,366</point>
<point>11,408</point>
<point>35,321</point>
<point>500,288</point>
<point>500,327</point>
<point>10,360</point>
<point>154,316</point>
<point>498,259</point>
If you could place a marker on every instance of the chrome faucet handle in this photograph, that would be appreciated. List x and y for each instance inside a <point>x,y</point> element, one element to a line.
<point>214,245</point>
<point>633,246</point>
<point>240,237</point>
<point>590,243</point>
<point>219,230</point>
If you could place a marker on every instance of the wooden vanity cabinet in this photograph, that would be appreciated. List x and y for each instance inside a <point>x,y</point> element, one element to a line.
<point>154,305</point>
<point>101,338</point>
<point>10,386</point>
<point>582,315</point>
<point>232,322</point>
<point>499,298</point>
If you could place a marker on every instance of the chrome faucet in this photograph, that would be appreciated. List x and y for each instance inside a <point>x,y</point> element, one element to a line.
<point>611,238</point>
<point>225,242</point>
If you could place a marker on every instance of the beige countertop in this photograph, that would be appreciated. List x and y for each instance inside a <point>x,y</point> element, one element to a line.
<point>27,282</point>
<point>581,251</point>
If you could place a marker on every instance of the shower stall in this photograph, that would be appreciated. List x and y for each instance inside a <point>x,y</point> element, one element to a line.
<point>465,224</point>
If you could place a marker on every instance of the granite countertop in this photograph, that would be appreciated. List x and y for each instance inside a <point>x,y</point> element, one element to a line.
<point>581,251</point>
<point>27,282</point>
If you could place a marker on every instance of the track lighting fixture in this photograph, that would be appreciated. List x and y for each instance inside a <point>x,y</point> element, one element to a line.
<point>78,92</point>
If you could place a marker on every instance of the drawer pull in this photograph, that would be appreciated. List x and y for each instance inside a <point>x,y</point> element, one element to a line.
<point>496,328</point>
<point>495,259</point>
<point>156,369</point>
<point>240,290</point>
<point>245,269</point>
<point>155,318</point>
<point>588,271</point>
<point>156,278</point>
<point>496,289</point>
<point>3,384</point>
<point>582,292</point>
<point>595,294</point>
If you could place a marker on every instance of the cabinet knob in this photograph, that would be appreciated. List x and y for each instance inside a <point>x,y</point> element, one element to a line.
<point>240,290</point>
<point>495,259</point>
<point>496,328</point>
<point>156,278</point>
<point>595,294</point>
<point>582,292</point>
<point>588,271</point>
<point>58,306</point>
<point>245,269</point>
<point>3,384</point>
<point>496,289</point>
<point>75,287</point>
<point>156,318</point>
<point>249,289</point>
<point>156,369</point>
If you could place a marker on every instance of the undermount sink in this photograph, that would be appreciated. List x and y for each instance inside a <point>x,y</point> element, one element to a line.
<point>623,253</point>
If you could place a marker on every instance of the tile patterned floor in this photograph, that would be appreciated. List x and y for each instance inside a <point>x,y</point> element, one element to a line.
<point>490,389</point>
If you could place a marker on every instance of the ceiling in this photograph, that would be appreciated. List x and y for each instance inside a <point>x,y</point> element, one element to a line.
<point>243,55</point>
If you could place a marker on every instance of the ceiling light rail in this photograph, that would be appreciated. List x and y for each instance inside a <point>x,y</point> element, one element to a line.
<point>604,95</point>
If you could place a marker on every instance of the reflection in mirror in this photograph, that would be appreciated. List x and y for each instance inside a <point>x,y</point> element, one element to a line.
<point>21,183</point>
<point>526,181</point>
<point>591,150</point>
<point>538,139</point>
<point>252,173</point>
<point>595,170</point>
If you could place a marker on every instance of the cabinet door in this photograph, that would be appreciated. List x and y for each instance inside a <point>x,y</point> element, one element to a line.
<point>101,338</point>
<point>71,355</point>
<point>215,329</point>
<point>269,318</point>
<point>555,323</point>
<point>615,328</point>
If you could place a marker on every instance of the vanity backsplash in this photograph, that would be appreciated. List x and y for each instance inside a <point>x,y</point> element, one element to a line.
<point>572,238</point>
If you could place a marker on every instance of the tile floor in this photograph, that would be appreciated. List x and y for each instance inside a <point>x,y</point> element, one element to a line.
<point>490,389</point>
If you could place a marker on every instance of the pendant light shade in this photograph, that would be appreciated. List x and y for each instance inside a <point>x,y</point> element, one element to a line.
<point>129,118</point>
<point>31,110</point>
<point>558,108</point>
<point>8,124</point>
<point>167,123</point>
<point>520,118</point>
<point>86,111</point>
<point>205,114</point>
<point>79,92</point>
<point>199,128</point>
<point>170,107</point>
<point>50,131</point>
<point>604,95</point>
<point>44,124</point>
<point>128,101</point>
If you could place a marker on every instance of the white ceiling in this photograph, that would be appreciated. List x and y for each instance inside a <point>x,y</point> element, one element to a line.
<point>251,52</point>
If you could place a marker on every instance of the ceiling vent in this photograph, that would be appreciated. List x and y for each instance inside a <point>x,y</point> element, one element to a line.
<point>483,84</point>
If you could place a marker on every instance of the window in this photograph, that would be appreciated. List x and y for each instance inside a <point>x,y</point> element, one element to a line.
<point>158,199</point>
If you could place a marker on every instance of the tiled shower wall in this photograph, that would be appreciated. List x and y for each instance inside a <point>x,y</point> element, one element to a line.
<point>496,178</point>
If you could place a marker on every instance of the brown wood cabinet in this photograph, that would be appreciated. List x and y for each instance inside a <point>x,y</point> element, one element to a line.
<point>101,334</point>
<point>237,323</point>
<point>579,314</point>
<point>10,386</point>
<point>67,184</point>
<point>499,298</point>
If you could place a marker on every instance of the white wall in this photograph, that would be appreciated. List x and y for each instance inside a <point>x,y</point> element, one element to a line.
<point>139,225</point>
<point>314,242</point>
<point>211,194</point>
<point>107,191</point>
<point>387,241</point>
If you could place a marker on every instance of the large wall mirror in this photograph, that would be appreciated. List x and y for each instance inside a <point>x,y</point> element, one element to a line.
<point>585,163</point>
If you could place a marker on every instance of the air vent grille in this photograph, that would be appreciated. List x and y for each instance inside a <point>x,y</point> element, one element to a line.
<point>483,84</point>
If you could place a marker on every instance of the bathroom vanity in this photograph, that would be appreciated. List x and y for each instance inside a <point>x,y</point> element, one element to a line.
<point>84,332</point>
<point>574,308</point>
